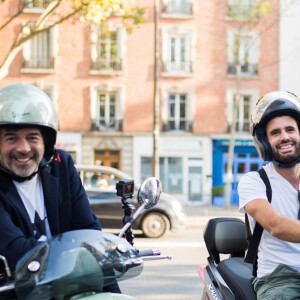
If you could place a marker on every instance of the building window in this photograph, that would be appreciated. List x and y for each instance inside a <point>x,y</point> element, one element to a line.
<point>243,48</point>
<point>170,170</point>
<point>36,3</point>
<point>243,9</point>
<point>106,109</point>
<point>177,52</point>
<point>245,106</point>
<point>177,112</point>
<point>243,114</point>
<point>177,109</point>
<point>38,52</point>
<point>106,51</point>
<point>178,7</point>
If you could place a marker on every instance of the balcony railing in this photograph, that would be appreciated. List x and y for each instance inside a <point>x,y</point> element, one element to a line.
<point>177,67</point>
<point>243,126</point>
<point>245,12</point>
<point>36,3</point>
<point>38,63</point>
<point>178,8</point>
<point>114,125</point>
<point>106,64</point>
<point>240,127</point>
<point>247,69</point>
<point>184,125</point>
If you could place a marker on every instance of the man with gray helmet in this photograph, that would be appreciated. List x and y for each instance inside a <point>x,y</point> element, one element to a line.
<point>41,194</point>
<point>275,127</point>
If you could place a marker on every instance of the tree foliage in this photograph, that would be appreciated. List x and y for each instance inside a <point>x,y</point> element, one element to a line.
<point>59,11</point>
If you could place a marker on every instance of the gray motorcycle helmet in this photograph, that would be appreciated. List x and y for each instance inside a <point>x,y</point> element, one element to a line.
<point>26,105</point>
<point>271,105</point>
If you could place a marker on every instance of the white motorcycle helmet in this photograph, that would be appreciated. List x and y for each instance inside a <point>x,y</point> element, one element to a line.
<point>272,105</point>
<point>26,105</point>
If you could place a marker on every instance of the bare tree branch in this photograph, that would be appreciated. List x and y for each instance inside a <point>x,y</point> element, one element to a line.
<point>19,12</point>
<point>39,27</point>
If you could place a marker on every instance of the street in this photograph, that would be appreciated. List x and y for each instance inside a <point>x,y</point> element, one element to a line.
<point>170,279</point>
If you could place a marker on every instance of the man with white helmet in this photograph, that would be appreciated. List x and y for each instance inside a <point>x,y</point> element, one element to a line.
<point>275,128</point>
<point>41,194</point>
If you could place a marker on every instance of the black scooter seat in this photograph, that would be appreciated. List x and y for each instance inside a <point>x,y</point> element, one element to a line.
<point>238,276</point>
<point>227,236</point>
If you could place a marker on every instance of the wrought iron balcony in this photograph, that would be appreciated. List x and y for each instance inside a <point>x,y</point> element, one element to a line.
<point>246,69</point>
<point>245,12</point>
<point>36,3</point>
<point>240,127</point>
<point>243,126</point>
<point>103,64</point>
<point>178,8</point>
<point>113,125</point>
<point>38,63</point>
<point>177,67</point>
<point>184,125</point>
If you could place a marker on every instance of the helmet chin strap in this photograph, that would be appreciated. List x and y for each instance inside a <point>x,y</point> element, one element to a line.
<point>287,165</point>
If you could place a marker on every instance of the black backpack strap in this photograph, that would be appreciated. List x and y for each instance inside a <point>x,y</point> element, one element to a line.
<point>251,256</point>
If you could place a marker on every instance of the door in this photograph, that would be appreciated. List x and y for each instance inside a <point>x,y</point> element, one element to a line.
<point>195,180</point>
<point>108,158</point>
<point>242,164</point>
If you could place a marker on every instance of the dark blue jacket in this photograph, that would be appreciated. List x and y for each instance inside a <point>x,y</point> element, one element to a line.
<point>66,204</point>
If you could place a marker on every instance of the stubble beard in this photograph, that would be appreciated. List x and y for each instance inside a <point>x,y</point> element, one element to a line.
<point>22,171</point>
<point>289,157</point>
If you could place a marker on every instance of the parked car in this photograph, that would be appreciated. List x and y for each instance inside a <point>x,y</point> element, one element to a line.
<point>100,185</point>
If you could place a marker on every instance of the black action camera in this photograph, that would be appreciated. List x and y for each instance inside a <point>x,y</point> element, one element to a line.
<point>125,188</point>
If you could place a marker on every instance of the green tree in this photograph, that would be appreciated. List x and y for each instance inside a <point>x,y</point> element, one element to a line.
<point>59,11</point>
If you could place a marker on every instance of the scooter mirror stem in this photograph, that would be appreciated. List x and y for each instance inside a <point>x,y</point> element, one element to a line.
<point>135,215</point>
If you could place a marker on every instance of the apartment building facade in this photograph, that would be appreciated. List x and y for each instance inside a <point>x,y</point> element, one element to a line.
<point>101,80</point>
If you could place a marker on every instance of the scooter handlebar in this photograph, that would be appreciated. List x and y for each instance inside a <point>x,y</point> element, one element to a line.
<point>149,252</point>
<point>152,254</point>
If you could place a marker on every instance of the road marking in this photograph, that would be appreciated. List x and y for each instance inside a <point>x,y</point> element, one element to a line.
<point>170,244</point>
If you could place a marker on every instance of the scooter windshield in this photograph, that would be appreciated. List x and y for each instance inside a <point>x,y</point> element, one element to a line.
<point>74,263</point>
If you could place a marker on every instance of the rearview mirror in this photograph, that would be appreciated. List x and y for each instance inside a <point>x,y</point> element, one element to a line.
<point>149,192</point>
<point>148,196</point>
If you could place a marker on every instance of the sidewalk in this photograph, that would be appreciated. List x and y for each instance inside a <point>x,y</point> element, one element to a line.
<point>198,216</point>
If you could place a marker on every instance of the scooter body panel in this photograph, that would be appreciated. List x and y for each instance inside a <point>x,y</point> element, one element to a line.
<point>107,296</point>
<point>215,288</point>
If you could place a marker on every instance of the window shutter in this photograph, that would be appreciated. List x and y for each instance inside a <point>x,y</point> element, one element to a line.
<point>94,105</point>
<point>26,47</point>
<point>94,41</point>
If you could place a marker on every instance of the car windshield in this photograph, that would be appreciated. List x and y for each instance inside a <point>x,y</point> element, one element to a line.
<point>104,181</point>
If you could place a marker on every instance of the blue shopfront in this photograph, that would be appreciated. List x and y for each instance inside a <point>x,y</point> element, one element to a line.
<point>245,159</point>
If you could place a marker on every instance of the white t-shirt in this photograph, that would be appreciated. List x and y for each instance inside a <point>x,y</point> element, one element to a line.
<point>272,251</point>
<point>31,193</point>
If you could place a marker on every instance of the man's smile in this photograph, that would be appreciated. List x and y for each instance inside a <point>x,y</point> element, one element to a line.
<point>23,159</point>
<point>286,146</point>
